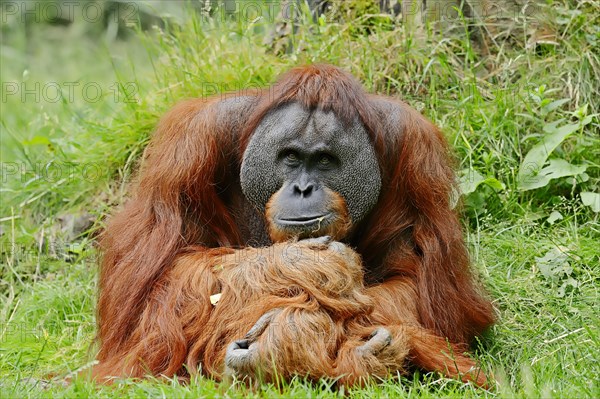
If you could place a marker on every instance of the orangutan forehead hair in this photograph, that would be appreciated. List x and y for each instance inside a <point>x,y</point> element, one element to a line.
<point>329,89</point>
<point>322,87</point>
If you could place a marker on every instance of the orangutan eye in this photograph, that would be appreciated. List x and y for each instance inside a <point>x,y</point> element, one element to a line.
<point>292,156</point>
<point>325,160</point>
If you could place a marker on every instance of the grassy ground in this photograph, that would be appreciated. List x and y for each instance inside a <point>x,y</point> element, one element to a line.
<point>522,119</point>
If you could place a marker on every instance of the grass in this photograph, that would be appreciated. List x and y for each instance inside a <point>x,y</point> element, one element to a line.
<point>535,249</point>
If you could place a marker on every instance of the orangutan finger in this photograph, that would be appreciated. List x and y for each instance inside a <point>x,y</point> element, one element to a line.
<point>241,357</point>
<point>378,340</point>
<point>261,325</point>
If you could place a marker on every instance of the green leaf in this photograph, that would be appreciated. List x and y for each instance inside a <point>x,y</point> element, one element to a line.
<point>37,140</point>
<point>554,105</point>
<point>554,264</point>
<point>557,168</point>
<point>554,216</point>
<point>537,156</point>
<point>470,179</point>
<point>588,119</point>
<point>494,183</point>
<point>591,199</point>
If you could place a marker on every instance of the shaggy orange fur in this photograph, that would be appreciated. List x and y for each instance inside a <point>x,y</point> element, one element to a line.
<point>184,236</point>
<point>323,313</point>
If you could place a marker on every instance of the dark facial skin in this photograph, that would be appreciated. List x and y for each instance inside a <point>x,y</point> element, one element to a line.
<point>307,159</point>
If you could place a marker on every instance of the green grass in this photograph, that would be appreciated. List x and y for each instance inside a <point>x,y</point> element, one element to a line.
<point>535,250</point>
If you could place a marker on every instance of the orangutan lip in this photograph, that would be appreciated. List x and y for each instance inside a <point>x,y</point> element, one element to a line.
<point>303,221</point>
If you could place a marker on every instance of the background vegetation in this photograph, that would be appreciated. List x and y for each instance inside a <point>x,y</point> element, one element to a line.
<point>81,95</point>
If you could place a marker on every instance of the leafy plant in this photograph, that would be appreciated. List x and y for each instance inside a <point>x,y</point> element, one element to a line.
<point>470,179</point>
<point>591,199</point>
<point>556,269</point>
<point>536,170</point>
